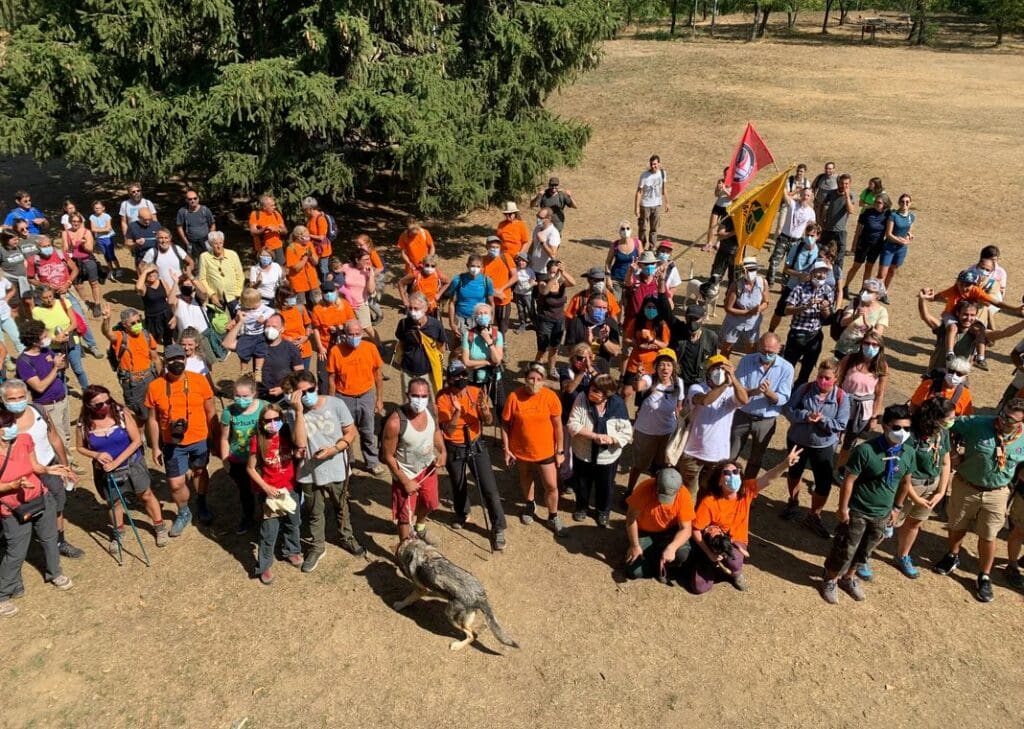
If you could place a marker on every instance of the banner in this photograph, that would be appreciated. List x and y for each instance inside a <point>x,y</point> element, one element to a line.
<point>751,155</point>
<point>753,213</point>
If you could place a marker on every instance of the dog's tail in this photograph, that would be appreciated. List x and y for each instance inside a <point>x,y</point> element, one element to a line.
<point>492,623</point>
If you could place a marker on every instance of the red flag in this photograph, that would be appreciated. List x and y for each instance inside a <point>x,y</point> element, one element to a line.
<point>751,155</point>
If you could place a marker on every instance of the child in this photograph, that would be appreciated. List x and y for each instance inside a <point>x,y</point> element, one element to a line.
<point>336,273</point>
<point>190,340</point>
<point>272,470</point>
<point>69,210</point>
<point>522,292</point>
<point>427,280</point>
<point>100,224</point>
<point>246,335</point>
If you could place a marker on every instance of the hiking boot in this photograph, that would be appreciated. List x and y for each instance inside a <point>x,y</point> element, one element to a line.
<point>865,572</point>
<point>1014,577</point>
<point>906,566</point>
<point>96,352</point>
<point>181,522</point>
<point>8,609</point>
<point>555,522</point>
<point>161,534</point>
<point>816,525</point>
<point>790,510</point>
<point>829,591</point>
<point>529,511</point>
<point>243,527</point>
<point>426,535</point>
<point>97,312</point>
<point>981,363</point>
<point>62,582</point>
<point>69,550</point>
<point>739,581</point>
<point>499,541</point>
<point>602,519</point>
<point>354,548</point>
<point>266,578</point>
<point>947,564</point>
<point>579,516</point>
<point>461,522</point>
<point>984,589</point>
<point>851,587</point>
<point>114,546</point>
<point>295,560</point>
<point>312,560</point>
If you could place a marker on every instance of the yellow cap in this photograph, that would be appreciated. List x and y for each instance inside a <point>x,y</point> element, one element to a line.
<point>715,359</point>
<point>666,352</point>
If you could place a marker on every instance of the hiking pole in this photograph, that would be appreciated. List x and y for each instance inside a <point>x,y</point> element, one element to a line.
<point>470,462</point>
<point>114,491</point>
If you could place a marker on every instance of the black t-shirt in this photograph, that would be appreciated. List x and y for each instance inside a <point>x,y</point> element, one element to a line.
<point>691,355</point>
<point>557,203</point>
<point>836,215</point>
<point>576,332</point>
<point>551,305</point>
<point>872,224</point>
<point>729,242</point>
<point>280,360</point>
<point>195,224</point>
<point>414,358</point>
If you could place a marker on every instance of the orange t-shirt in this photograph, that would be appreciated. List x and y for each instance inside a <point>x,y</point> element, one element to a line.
<point>642,360</point>
<point>180,405</point>
<point>514,236</point>
<point>306,279</point>
<point>296,319</point>
<point>528,419</point>
<point>500,270</point>
<point>317,225</point>
<point>953,296</point>
<point>376,261</point>
<point>136,357</point>
<point>271,240</point>
<point>428,286</point>
<point>470,416</point>
<point>963,406</point>
<point>654,516</point>
<point>415,247</point>
<point>579,302</point>
<point>328,316</point>
<point>354,370</point>
<point>731,516</point>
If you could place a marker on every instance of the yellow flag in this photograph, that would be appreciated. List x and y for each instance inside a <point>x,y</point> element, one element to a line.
<point>753,213</point>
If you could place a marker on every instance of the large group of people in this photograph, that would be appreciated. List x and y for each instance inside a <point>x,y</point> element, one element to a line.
<point>627,374</point>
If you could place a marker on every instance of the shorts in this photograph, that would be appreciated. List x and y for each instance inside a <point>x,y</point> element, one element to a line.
<point>107,247</point>
<point>630,379</point>
<point>88,270</point>
<point>648,450</point>
<point>404,505</point>
<point>131,479</point>
<point>251,346</point>
<point>718,210</point>
<point>1017,510</point>
<point>364,315</point>
<point>179,459</point>
<point>867,251</point>
<point>893,254</point>
<point>549,334</point>
<point>732,335</point>
<point>916,511</point>
<point>134,392</point>
<point>972,509</point>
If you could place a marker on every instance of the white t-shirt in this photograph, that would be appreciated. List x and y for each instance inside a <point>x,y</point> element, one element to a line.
<point>5,308</point>
<point>131,211</point>
<point>251,323</point>
<point>538,256</point>
<point>710,425</point>
<point>657,413</point>
<point>271,277</point>
<point>196,364</point>
<point>524,280</point>
<point>650,186</point>
<point>674,279</point>
<point>168,263</point>
<point>797,219</point>
<point>189,315</point>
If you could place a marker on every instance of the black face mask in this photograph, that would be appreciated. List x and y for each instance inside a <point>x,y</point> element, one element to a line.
<point>459,382</point>
<point>187,290</point>
<point>176,368</point>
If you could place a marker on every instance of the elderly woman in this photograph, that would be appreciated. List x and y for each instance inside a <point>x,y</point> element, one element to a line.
<point>26,508</point>
<point>746,300</point>
<point>221,275</point>
<point>663,397</point>
<point>862,376</point>
<point>600,429</point>
<point>533,439</point>
<point>483,348</point>
<point>864,314</point>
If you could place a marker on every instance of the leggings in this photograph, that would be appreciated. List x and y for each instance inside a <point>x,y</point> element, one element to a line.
<point>820,460</point>
<point>240,475</point>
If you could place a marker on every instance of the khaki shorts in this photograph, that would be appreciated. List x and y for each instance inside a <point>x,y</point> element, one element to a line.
<point>915,511</point>
<point>1017,511</point>
<point>364,315</point>
<point>971,509</point>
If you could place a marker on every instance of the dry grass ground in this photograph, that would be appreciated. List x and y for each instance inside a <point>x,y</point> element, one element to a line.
<point>194,642</point>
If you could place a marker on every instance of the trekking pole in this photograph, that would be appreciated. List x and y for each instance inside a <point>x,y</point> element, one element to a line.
<point>470,462</point>
<point>114,491</point>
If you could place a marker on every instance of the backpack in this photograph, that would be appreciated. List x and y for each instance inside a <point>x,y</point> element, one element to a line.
<point>114,356</point>
<point>403,423</point>
<point>332,227</point>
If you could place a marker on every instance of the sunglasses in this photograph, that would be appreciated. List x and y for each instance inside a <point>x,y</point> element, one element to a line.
<point>271,420</point>
<point>96,405</point>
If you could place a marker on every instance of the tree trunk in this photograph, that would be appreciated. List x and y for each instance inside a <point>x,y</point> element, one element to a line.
<point>824,23</point>
<point>703,10</point>
<point>764,20</point>
<point>675,8</point>
<point>714,16</point>
<point>843,11</point>
<point>922,16</point>
<point>757,16</point>
<point>999,34</point>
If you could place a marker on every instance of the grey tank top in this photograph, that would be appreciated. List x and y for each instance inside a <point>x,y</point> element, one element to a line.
<point>415,450</point>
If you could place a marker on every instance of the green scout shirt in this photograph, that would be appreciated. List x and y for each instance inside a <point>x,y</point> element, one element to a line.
<point>928,461</point>
<point>873,494</point>
<point>980,468</point>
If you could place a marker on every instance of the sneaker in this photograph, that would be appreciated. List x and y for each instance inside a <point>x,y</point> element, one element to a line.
<point>426,535</point>
<point>205,515</point>
<point>161,534</point>
<point>8,609</point>
<point>906,566</point>
<point>816,525</point>
<point>112,276</point>
<point>97,352</point>
<point>602,519</point>
<point>114,546</point>
<point>739,581</point>
<point>790,510</point>
<point>353,547</point>
<point>984,590</point>
<point>97,312</point>
<point>295,560</point>
<point>852,588</point>
<point>312,560</point>
<point>62,582</point>
<point>499,541</point>
<point>67,549</point>
<point>1014,577</point>
<point>829,591</point>
<point>181,522</point>
<point>266,578</point>
<point>461,522</point>
<point>947,564</point>
<point>865,572</point>
<point>579,516</point>
<point>981,363</point>
<point>555,522</point>
<point>528,513</point>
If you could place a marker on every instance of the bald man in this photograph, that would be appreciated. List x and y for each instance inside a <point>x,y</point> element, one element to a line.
<point>355,374</point>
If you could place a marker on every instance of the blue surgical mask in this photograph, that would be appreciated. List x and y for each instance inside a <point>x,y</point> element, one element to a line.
<point>649,270</point>
<point>870,351</point>
<point>354,341</point>
<point>598,316</point>
<point>266,260</point>
<point>664,256</point>
<point>650,312</point>
<point>272,426</point>
<point>46,251</point>
<point>243,402</point>
<point>10,432</point>
<point>483,320</point>
<point>331,296</point>
<point>16,407</point>
<point>310,398</point>
<point>291,301</point>
<point>768,357</point>
<point>733,481</point>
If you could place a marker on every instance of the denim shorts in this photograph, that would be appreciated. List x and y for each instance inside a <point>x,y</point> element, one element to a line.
<point>179,459</point>
<point>893,254</point>
<point>251,346</point>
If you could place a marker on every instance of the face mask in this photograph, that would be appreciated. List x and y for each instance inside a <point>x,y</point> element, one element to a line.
<point>45,342</point>
<point>540,222</point>
<point>418,404</point>
<point>717,377</point>
<point>428,270</point>
<point>953,379</point>
<point>266,261</point>
<point>751,276</point>
<point>187,290</point>
<point>354,341</point>
<point>272,333</point>
<point>817,281</point>
<point>310,398</point>
<point>16,407</point>
<point>812,240</point>
<point>664,256</point>
<point>624,233</point>
<point>650,312</point>
<point>459,382</point>
<point>483,320</point>
<point>243,402</point>
<point>733,481</point>
<point>10,432</point>
<point>865,297</point>
<point>897,437</point>
<point>474,271</point>
<point>291,301</point>
<point>824,384</point>
<point>46,251</point>
<point>598,316</point>
<point>331,296</point>
<point>947,424</point>
<point>598,287</point>
<point>176,368</point>
<point>650,269</point>
<point>534,387</point>
<point>870,351</point>
<point>101,411</point>
<point>272,426</point>
<point>417,314</point>
<point>493,252</point>
<point>767,357</point>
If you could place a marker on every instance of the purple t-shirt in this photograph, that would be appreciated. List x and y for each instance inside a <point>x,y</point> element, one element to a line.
<point>40,365</point>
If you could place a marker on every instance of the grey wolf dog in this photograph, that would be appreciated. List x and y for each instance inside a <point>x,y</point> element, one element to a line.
<point>433,574</point>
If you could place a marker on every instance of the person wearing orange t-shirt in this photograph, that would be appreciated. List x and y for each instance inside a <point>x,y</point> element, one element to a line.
<point>181,420</point>
<point>415,242</point>
<point>596,280</point>
<point>266,226</point>
<point>316,222</point>
<point>300,263</point>
<point>328,318</point>
<point>137,358</point>
<point>462,411</point>
<point>501,269</point>
<point>512,231</point>
<point>725,510</point>
<point>533,438</point>
<point>355,370</point>
<point>658,526</point>
<point>298,326</point>
<point>427,280</point>
<point>949,383</point>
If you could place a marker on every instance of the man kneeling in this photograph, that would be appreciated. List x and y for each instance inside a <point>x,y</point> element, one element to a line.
<point>658,525</point>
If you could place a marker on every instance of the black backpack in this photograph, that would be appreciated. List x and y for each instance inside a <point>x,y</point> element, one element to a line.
<point>114,356</point>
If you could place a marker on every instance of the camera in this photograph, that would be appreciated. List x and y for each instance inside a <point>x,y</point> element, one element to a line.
<point>178,428</point>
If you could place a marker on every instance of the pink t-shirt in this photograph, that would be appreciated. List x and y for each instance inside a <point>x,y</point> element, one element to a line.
<point>859,384</point>
<point>52,271</point>
<point>354,289</point>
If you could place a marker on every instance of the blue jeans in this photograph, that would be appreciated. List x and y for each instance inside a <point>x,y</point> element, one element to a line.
<point>270,527</point>
<point>10,328</point>
<point>75,362</point>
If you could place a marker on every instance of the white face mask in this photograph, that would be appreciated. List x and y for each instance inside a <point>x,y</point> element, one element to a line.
<point>865,297</point>
<point>417,314</point>
<point>717,377</point>
<point>428,270</point>
<point>474,270</point>
<point>818,281</point>
<point>272,333</point>
<point>751,276</point>
<point>953,379</point>
<point>598,287</point>
<point>418,404</point>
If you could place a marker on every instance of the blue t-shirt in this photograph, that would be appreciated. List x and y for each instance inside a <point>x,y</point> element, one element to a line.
<point>101,221</point>
<point>28,216</point>
<point>901,223</point>
<point>470,291</point>
<point>801,257</point>
<point>872,224</point>
<point>478,349</point>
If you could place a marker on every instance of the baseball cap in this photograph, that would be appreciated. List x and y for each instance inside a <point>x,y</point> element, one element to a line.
<point>174,350</point>
<point>665,353</point>
<point>669,482</point>
<point>493,239</point>
<point>456,367</point>
<point>663,243</point>
<point>715,360</point>
<point>695,311</point>
<point>823,266</point>
<point>328,285</point>
<point>968,276</point>
<point>595,274</point>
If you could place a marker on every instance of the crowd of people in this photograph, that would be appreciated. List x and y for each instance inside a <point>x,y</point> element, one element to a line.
<point>627,374</point>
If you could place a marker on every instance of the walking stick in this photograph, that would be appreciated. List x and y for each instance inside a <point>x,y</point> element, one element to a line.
<point>470,462</point>
<point>113,491</point>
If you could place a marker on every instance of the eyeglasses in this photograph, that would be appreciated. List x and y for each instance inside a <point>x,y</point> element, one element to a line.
<point>134,192</point>
<point>1015,421</point>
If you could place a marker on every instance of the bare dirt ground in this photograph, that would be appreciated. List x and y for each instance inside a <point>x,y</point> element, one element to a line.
<point>194,642</point>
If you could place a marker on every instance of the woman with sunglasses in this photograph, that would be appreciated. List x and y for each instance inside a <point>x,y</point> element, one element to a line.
<point>899,234</point>
<point>272,467</point>
<point>622,254</point>
<point>725,510</point>
<point>862,375</point>
<point>869,237</point>
<point>113,443</point>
